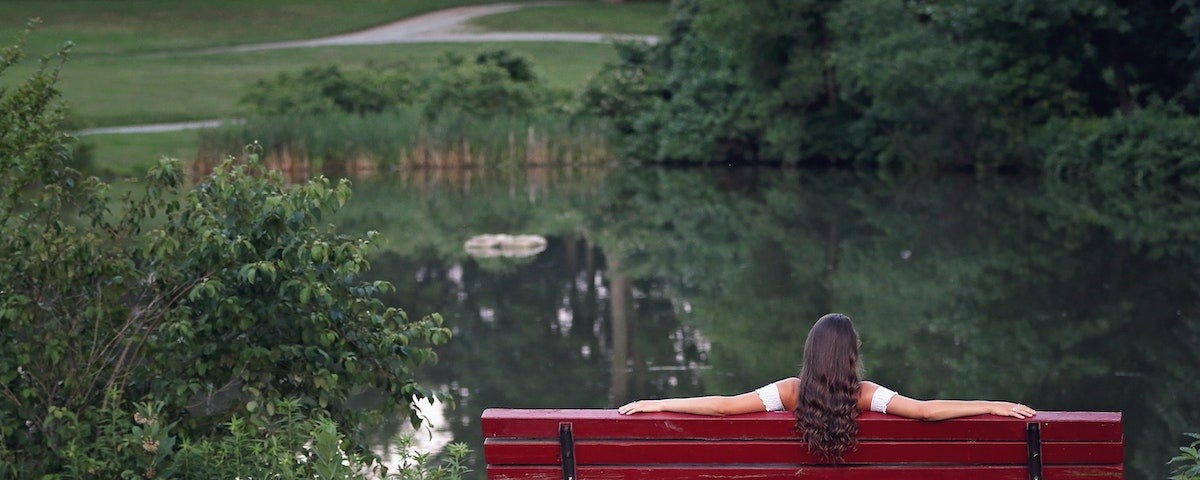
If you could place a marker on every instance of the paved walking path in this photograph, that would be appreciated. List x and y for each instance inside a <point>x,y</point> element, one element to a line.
<point>157,127</point>
<point>449,25</point>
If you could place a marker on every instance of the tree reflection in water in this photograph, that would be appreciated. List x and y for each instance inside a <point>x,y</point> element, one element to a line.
<point>682,282</point>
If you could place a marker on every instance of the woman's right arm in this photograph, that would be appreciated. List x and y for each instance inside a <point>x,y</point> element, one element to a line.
<point>711,405</point>
<point>720,405</point>
<point>933,410</point>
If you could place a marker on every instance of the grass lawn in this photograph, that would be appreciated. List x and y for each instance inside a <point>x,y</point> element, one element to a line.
<point>105,91</point>
<point>129,26</point>
<point>133,60</point>
<point>121,156</point>
<point>641,18</point>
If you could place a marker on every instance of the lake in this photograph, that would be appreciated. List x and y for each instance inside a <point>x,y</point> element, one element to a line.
<point>670,282</point>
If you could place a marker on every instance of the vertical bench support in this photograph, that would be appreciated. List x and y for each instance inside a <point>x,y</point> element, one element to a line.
<point>1033,443</point>
<point>566,447</point>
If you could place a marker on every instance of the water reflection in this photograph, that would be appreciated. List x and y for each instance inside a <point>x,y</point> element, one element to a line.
<point>682,282</point>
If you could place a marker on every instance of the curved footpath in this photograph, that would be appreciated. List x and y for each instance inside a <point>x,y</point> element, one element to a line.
<point>447,25</point>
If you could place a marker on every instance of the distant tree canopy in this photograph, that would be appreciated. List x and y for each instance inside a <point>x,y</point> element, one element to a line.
<point>955,83</point>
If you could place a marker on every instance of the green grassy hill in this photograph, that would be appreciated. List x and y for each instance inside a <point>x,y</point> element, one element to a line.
<point>137,61</point>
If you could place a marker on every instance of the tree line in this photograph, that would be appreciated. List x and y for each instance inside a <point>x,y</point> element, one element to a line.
<point>956,84</point>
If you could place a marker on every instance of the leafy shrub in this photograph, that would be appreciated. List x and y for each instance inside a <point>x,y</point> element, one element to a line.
<point>1188,461</point>
<point>495,83</point>
<point>464,112</point>
<point>210,302</point>
<point>329,89</point>
<point>291,445</point>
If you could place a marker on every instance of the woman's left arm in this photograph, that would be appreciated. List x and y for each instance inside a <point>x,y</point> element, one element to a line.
<point>933,410</point>
<point>871,396</point>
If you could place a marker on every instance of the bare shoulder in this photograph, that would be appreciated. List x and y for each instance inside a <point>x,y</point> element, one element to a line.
<point>789,392</point>
<point>866,389</point>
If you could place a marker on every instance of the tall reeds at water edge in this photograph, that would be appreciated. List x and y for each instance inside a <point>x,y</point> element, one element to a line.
<point>358,145</point>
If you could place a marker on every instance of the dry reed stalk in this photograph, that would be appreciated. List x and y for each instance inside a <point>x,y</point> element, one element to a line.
<point>466,148</point>
<point>529,145</point>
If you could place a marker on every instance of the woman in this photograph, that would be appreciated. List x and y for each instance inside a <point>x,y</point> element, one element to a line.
<point>828,395</point>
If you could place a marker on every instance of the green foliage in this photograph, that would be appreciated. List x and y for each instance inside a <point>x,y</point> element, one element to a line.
<point>619,91</point>
<point>661,109</point>
<point>495,83</point>
<point>490,109</point>
<point>213,301</point>
<point>291,445</point>
<point>1188,461</point>
<point>917,96</point>
<point>329,89</point>
<point>402,138</point>
<point>1137,175</point>
<point>962,84</point>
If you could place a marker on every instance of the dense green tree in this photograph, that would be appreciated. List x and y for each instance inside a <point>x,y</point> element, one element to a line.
<point>951,84</point>
<point>213,300</point>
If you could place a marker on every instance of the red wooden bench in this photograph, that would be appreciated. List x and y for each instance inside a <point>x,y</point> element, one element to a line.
<point>587,444</point>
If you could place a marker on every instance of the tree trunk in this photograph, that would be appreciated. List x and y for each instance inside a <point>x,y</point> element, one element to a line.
<point>621,289</point>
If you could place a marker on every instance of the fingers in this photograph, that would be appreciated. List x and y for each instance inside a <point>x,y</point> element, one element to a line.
<point>628,408</point>
<point>640,406</point>
<point>1021,411</point>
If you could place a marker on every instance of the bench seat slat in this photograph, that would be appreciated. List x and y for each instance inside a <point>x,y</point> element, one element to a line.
<point>607,423</point>
<point>617,452</point>
<point>756,472</point>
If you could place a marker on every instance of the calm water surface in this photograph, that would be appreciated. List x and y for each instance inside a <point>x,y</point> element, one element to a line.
<point>686,282</point>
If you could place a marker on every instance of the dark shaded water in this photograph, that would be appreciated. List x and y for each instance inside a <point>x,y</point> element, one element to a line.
<point>684,282</point>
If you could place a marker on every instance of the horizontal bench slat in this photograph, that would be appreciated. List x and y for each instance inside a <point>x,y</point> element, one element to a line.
<point>607,423</point>
<point>785,472</point>
<point>614,452</point>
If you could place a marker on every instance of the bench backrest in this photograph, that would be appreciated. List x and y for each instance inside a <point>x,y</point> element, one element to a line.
<point>587,444</point>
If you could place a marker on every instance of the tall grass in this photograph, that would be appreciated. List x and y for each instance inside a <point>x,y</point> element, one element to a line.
<point>355,145</point>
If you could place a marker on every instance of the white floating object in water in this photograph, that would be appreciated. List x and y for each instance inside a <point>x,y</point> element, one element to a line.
<point>503,245</point>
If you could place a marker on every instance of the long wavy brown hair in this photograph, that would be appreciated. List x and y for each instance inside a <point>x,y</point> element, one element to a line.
<point>829,377</point>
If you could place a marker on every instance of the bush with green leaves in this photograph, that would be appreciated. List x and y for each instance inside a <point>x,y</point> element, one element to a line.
<point>496,83</point>
<point>210,301</point>
<point>329,89</point>
<point>1187,463</point>
<point>147,444</point>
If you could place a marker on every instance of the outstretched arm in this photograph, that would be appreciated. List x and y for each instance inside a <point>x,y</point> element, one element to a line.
<point>947,409</point>
<point>933,410</point>
<point>749,402</point>
<point>712,405</point>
